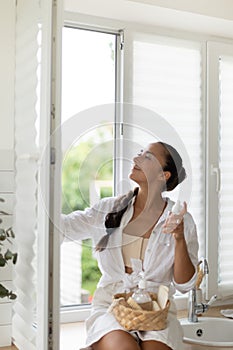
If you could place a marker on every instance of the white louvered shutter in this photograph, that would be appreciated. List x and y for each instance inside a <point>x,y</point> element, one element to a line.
<point>35,323</point>
<point>163,75</point>
<point>26,81</point>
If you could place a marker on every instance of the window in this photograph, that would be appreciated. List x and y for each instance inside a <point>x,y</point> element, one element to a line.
<point>219,191</point>
<point>165,82</point>
<point>177,90</point>
<point>179,98</point>
<point>225,275</point>
<point>88,116</point>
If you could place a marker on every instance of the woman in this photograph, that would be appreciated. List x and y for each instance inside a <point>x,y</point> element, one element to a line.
<point>128,235</point>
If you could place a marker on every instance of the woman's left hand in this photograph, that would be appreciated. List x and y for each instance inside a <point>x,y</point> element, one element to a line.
<point>174,224</point>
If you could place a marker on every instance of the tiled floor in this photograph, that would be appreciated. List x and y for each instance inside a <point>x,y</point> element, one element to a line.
<point>72,337</point>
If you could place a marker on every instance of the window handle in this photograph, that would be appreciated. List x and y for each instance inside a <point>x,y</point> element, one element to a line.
<point>216,171</point>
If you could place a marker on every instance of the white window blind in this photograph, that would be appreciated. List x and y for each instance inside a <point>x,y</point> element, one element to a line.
<point>225,276</point>
<point>32,191</point>
<point>165,75</point>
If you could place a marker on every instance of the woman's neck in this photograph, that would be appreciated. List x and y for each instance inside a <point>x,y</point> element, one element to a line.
<point>148,209</point>
<point>147,200</point>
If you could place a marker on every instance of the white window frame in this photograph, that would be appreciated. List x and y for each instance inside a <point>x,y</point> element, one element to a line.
<point>214,51</point>
<point>160,33</point>
<point>208,108</point>
<point>82,311</point>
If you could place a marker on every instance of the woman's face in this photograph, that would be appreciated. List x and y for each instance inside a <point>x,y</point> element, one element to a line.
<point>148,166</point>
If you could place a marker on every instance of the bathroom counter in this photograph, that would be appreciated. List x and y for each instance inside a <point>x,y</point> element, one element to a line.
<point>214,311</point>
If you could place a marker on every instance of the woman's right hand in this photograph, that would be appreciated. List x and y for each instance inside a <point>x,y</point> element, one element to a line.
<point>174,223</point>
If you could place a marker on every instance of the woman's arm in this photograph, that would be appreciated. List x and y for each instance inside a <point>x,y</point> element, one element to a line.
<point>88,223</point>
<point>183,266</point>
<point>186,247</point>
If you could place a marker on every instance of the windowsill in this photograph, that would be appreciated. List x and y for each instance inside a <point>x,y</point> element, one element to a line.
<point>79,313</point>
<point>181,301</point>
<point>214,311</point>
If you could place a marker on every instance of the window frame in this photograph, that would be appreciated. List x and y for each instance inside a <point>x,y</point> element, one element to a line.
<point>75,313</point>
<point>214,52</point>
<point>208,44</point>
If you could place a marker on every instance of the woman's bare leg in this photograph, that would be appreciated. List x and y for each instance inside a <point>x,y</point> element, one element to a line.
<point>153,345</point>
<point>116,340</point>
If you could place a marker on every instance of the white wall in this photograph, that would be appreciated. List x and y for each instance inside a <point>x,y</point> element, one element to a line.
<point>211,17</point>
<point>213,8</point>
<point>210,8</point>
<point>7,33</point>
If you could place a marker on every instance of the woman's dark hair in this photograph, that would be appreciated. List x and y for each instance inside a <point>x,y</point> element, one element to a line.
<point>113,219</point>
<point>174,165</point>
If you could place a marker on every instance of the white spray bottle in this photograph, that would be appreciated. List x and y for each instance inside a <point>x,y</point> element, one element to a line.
<point>165,238</point>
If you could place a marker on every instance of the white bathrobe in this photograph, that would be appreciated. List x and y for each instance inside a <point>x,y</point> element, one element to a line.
<point>157,266</point>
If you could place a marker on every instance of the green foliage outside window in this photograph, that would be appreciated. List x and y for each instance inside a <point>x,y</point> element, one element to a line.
<point>88,161</point>
<point>90,270</point>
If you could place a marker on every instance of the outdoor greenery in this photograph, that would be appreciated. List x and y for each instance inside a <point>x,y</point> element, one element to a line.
<point>90,160</point>
<point>90,270</point>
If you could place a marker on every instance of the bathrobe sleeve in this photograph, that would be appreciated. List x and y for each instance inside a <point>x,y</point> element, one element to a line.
<point>89,223</point>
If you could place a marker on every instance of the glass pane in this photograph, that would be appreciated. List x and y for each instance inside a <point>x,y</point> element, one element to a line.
<point>88,85</point>
<point>166,79</point>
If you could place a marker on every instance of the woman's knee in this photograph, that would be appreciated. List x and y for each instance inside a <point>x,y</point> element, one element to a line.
<point>116,340</point>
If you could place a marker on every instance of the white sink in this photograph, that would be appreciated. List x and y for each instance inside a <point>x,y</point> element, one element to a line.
<point>210,331</point>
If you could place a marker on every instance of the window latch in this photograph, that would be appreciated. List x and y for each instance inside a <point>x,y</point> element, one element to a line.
<point>216,171</point>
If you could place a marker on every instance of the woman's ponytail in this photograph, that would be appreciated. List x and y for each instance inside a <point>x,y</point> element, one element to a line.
<point>113,219</point>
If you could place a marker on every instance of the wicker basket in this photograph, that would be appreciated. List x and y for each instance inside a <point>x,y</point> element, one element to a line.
<point>141,320</point>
